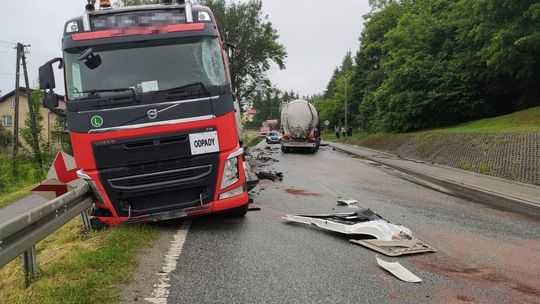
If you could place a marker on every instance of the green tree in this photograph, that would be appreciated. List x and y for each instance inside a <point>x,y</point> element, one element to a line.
<point>6,138</point>
<point>256,44</point>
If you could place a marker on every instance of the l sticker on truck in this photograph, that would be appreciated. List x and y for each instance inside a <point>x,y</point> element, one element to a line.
<point>205,142</point>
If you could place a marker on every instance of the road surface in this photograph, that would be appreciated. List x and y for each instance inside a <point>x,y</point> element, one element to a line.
<point>484,255</point>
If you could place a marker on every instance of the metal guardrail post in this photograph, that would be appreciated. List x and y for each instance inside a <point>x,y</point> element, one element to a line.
<point>30,265</point>
<point>86,221</point>
<point>19,235</point>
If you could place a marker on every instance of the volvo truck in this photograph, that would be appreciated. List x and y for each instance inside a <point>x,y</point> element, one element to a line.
<point>151,114</point>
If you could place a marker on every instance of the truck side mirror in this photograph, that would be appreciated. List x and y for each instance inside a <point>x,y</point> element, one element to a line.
<point>46,74</point>
<point>50,101</point>
<point>47,84</point>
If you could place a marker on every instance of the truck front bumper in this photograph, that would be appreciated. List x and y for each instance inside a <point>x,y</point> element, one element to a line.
<point>298,144</point>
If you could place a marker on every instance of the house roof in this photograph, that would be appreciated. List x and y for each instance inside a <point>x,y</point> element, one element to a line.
<point>22,92</point>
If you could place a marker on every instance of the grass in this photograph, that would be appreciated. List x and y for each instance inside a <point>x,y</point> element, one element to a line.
<point>75,267</point>
<point>6,199</point>
<point>255,141</point>
<point>522,121</point>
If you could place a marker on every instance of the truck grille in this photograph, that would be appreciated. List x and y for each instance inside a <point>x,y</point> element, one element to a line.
<point>155,174</point>
<point>163,178</point>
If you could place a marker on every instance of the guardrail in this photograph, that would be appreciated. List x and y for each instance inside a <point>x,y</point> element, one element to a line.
<point>19,235</point>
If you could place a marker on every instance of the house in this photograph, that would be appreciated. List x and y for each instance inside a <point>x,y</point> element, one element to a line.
<point>7,114</point>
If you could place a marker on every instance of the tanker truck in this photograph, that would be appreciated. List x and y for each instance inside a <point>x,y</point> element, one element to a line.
<point>300,124</point>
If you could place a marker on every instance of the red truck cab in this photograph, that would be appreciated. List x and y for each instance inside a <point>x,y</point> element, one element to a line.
<point>150,112</point>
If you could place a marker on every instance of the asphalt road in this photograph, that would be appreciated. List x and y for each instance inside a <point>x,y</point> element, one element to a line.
<point>484,255</point>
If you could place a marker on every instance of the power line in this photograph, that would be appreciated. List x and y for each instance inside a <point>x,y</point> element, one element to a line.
<point>8,42</point>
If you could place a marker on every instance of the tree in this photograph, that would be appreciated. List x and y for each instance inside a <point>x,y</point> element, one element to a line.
<point>6,138</point>
<point>256,44</point>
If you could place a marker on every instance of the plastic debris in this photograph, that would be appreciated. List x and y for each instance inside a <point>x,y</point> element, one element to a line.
<point>399,271</point>
<point>362,222</point>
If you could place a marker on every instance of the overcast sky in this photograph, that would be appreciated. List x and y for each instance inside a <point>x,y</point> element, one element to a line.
<point>316,33</point>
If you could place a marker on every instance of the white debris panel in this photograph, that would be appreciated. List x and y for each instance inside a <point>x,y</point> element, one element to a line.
<point>399,271</point>
<point>362,222</point>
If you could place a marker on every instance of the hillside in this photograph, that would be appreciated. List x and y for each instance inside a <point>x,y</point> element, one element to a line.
<point>504,146</point>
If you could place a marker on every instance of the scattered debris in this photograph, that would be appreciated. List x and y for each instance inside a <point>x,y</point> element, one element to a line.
<point>399,271</point>
<point>264,158</point>
<point>397,247</point>
<point>270,175</point>
<point>390,239</point>
<point>251,177</point>
<point>364,221</point>
<point>348,202</point>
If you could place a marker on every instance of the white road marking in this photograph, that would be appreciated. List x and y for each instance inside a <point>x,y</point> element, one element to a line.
<point>161,289</point>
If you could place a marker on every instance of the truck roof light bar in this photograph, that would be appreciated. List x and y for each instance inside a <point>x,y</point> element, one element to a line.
<point>171,28</point>
<point>104,4</point>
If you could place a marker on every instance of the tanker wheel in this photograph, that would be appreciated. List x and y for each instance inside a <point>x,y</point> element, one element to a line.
<point>239,211</point>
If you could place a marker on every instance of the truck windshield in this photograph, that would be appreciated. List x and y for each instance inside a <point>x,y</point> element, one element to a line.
<point>145,66</point>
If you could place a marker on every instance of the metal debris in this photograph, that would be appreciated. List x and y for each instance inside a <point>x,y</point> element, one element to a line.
<point>399,271</point>
<point>270,175</point>
<point>398,246</point>
<point>251,177</point>
<point>347,202</point>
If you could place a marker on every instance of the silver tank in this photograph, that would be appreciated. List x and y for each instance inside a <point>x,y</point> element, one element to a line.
<point>299,118</point>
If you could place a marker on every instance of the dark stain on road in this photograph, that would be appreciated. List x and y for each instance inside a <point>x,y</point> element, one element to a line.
<point>484,275</point>
<point>465,298</point>
<point>301,192</point>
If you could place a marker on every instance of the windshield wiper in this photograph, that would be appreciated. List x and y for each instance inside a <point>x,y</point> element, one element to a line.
<point>186,86</point>
<point>94,93</point>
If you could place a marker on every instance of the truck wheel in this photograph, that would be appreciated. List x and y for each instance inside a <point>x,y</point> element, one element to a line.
<point>284,149</point>
<point>97,225</point>
<point>238,211</point>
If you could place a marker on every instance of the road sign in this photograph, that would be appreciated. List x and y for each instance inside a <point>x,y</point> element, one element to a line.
<point>51,189</point>
<point>63,168</point>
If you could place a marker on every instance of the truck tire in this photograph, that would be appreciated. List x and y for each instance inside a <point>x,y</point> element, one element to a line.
<point>284,149</point>
<point>238,211</point>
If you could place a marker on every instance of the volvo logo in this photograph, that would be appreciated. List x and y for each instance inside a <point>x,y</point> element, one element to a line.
<point>152,113</point>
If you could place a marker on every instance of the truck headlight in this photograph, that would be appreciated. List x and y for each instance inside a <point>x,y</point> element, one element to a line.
<point>230,170</point>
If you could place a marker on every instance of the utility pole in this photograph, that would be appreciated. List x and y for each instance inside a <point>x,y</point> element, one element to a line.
<point>33,126</point>
<point>16,118</point>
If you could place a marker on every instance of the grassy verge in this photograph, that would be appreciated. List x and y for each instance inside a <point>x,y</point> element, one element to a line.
<point>75,267</point>
<point>255,141</point>
<point>6,199</point>
<point>522,121</point>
